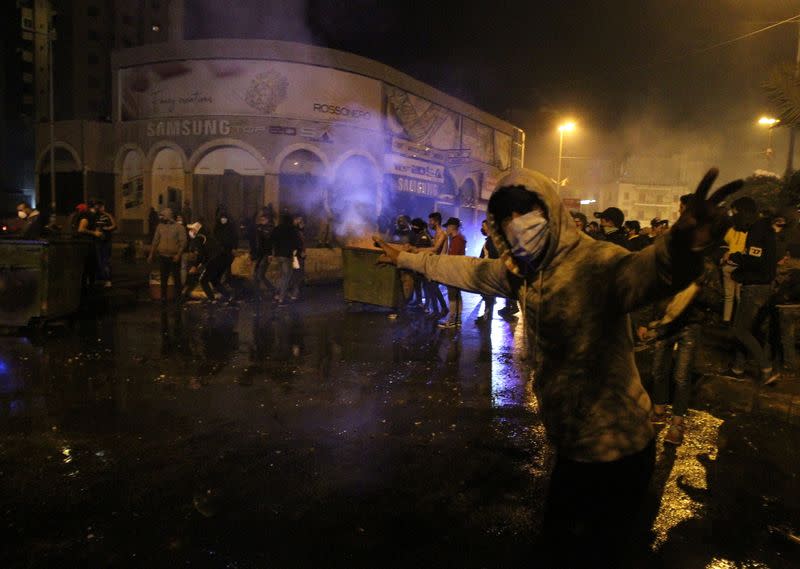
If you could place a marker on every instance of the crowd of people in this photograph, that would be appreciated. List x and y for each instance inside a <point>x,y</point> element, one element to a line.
<point>204,254</point>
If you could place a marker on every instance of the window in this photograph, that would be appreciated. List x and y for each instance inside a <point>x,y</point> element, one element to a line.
<point>627,196</point>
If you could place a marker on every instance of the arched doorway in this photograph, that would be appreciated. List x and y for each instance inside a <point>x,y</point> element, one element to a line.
<point>69,181</point>
<point>228,178</point>
<point>131,175</point>
<point>301,189</point>
<point>353,199</point>
<point>168,180</point>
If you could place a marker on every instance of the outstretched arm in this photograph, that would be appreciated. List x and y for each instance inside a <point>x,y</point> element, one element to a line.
<point>676,260</point>
<point>484,276</point>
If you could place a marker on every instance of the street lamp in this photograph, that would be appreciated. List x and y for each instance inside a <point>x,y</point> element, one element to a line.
<point>568,126</point>
<point>769,123</point>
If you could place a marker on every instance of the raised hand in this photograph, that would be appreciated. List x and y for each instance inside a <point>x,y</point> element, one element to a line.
<point>701,224</point>
<point>390,252</point>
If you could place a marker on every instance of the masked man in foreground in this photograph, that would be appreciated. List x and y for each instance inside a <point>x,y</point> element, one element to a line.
<point>576,294</point>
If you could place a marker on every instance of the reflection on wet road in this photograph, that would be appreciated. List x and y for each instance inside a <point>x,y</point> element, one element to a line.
<point>322,434</point>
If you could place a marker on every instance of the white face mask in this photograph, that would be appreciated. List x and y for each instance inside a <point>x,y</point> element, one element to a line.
<point>192,233</point>
<point>609,229</point>
<point>22,214</point>
<point>528,235</point>
<point>223,220</point>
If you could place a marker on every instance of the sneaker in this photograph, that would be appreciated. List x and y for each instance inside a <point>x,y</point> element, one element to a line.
<point>674,435</point>
<point>770,377</point>
<point>447,325</point>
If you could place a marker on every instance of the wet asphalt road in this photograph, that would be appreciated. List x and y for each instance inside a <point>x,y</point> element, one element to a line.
<point>321,435</point>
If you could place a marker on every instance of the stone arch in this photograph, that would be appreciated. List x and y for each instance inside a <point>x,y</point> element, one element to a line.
<point>44,155</point>
<point>355,153</point>
<point>276,166</point>
<point>158,147</point>
<point>209,147</point>
<point>122,154</point>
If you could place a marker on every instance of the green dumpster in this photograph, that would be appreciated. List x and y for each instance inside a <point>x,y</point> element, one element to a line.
<point>366,281</point>
<point>40,280</point>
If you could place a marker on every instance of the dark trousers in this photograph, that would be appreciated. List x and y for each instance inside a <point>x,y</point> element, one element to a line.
<point>488,306</point>
<point>260,274</point>
<point>593,509</point>
<point>169,267</point>
<point>435,299</point>
<point>212,276</point>
<point>103,249</point>
<point>751,316</point>
<point>681,370</point>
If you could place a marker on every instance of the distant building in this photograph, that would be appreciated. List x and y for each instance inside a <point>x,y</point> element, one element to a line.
<point>651,186</point>
<point>242,123</point>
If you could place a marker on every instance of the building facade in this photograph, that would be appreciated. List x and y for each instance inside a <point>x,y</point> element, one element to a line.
<point>238,124</point>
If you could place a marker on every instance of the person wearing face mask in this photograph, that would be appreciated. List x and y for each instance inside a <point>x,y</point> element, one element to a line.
<point>591,399</point>
<point>489,251</point>
<point>168,245</point>
<point>210,263</point>
<point>227,236</point>
<point>611,220</point>
<point>31,221</point>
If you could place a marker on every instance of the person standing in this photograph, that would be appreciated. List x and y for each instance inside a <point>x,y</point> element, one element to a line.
<point>283,244</point>
<point>489,251</point>
<point>227,236</point>
<point>186,212</point>
<point>107,225</point>
<point>756,269</point>
<point>299,261</point>
<point>744,212</point>
<point>31,221</point>
<point>592,402</point>
<point>86,230</point>
<point>263,233</point>
<point>611,220</point>
<point>635,240</point>
<point>435,304</point>
<point>456,245</point>
<point>152,222</point>
<point>169,242</point>
<point>420,239</point>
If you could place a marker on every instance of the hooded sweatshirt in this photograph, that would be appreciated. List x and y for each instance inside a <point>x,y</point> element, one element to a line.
<point>170,238</point>
<point>576,306</point>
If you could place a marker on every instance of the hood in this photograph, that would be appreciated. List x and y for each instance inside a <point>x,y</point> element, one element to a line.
<point>564,236</point>
<point>166,213</point>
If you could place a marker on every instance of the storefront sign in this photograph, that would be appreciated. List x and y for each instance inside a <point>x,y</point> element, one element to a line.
<point>236,87</point>
<point>189,127</point>
<point>414,186</point>
<point>413,168</point>
<point>416,150</point>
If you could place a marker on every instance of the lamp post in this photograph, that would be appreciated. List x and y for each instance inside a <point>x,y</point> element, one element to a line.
<point>568,126</point>
<point>769,123</point>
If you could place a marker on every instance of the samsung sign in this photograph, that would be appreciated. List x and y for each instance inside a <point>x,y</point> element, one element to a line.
<point>189,127</point>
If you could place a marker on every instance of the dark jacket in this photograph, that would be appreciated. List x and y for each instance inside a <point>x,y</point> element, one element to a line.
<point>263,233</point>
<point>226,235</point>
<point>759,261</point>
<point>617,237</point>
<point>206,246</point>
<point>421,239</point>
<point>284,241</point>
<point>636,243</point>
<point>489,251</point>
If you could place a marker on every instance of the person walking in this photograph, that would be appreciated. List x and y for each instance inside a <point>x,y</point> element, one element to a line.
<point>227,236</point>
<point>592,402</point>
<point>210,264</point>
<point>169,242</point>
<point>283,244</point>
<point>456,246</point>
<point>264,231</point>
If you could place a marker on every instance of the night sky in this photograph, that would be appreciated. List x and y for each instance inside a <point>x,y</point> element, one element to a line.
<point>609,64</point>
